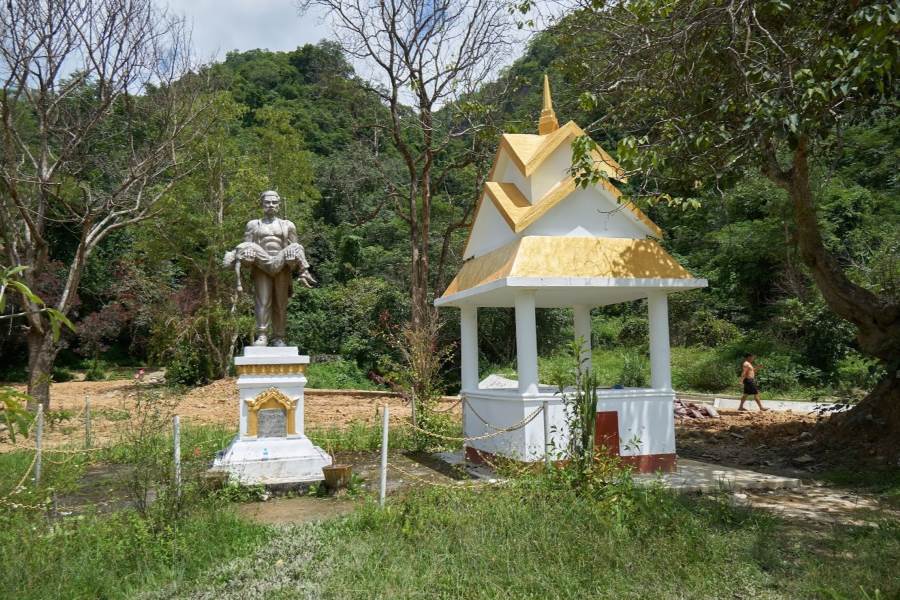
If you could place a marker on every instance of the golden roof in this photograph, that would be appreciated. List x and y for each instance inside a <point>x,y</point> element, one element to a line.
<point>555,256</point>
<point>519,213</point>
<point>528,151</point>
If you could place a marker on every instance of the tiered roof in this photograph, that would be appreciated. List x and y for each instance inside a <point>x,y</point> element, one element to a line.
<point>551,230</point>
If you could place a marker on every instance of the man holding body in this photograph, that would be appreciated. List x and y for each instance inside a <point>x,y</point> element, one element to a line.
<point>271,249</point>
<point>748,380</point>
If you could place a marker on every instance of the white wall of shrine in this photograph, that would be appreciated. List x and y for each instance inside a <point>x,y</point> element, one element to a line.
<point>490,230</point>
<point>588,213</point>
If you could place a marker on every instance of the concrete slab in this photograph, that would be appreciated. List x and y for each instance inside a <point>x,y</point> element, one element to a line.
<point>457,459</point>
<point>694,476</point>
<point>729,403</point>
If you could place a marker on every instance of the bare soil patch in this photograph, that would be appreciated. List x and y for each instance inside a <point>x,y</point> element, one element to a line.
<point>215,403</point>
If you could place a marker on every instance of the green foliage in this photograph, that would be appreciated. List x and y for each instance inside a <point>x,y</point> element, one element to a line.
<point>713,374</point>
<point>61,374</point>
<point>185,367</point>
<point>635,370</point>
<point>15,417</point>
<point>346,319</point>
<point>855,370</point>
<point>339,374</point>
<point>365,436</point>
<point>782,372</point>
<point>635,331</point>
<point>114,556</point>
<point>96,371</point>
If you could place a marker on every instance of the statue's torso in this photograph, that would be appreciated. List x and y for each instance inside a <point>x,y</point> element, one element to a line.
<point>271,236</point>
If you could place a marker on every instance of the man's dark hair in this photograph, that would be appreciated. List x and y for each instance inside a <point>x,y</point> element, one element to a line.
<point>748,355</point>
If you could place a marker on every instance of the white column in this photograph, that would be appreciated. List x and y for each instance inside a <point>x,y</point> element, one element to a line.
<point>526,342</point>
<point>583,332</point>
<point>660,367</point>
<point>468,348</point>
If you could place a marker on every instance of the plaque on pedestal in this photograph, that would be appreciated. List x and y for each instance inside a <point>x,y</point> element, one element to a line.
<point>270,447</point>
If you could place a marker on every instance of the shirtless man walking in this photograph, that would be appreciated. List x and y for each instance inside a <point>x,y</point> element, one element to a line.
<point>748,380</point>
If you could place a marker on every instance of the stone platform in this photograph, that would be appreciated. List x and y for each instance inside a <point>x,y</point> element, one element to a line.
<point>270,447</point>
<point>694,476</point>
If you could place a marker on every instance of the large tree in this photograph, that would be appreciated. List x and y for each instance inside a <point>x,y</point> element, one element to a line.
<point>706,89</point>
<point>425,55</point>
<point>93,124</point>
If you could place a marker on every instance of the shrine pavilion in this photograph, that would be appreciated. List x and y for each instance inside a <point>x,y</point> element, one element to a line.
<point>538,240</point>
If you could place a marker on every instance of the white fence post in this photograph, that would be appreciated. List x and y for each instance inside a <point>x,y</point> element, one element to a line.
<point>546,416</point>
<point>38,443</point>
<point>384,454</point>
<point>176,453</point>
<point>87,422</point>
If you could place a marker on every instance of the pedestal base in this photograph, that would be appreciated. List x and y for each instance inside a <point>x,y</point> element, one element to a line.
<point>272,461</point>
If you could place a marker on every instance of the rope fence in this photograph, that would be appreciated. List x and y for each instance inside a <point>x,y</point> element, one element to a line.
<point>498,430</point>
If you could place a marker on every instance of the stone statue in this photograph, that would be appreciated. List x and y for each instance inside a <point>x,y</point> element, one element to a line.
<point>271,251</point>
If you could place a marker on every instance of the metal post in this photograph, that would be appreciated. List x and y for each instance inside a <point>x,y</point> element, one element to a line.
<point>384,454</point>
<point>176,452</point>
<point>38,442</point>
<point>87,422</point>
<point>546,416</point>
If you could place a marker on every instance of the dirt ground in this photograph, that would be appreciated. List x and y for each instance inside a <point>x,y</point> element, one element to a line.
<point>214,403</point>
<point>767,441</point>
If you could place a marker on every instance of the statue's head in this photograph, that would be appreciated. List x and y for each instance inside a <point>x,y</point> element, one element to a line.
<point>271,202</point>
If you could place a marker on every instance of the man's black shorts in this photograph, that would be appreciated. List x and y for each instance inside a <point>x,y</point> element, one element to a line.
<point>750,386</point>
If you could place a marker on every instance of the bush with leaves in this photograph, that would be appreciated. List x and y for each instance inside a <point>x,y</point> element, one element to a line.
<point>635,371</point>
<point>417,376</point>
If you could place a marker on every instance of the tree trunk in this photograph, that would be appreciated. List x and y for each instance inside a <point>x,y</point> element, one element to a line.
<point>41,356</point>
<point>877,320</point>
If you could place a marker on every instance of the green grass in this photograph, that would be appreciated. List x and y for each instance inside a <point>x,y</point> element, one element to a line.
<point>113,556</point>
<point>533,539</point>
<point>338,375</point>
<point>543,543</point>
<point>359,436</point>
<point>884,483</point>
<point>608,363</point>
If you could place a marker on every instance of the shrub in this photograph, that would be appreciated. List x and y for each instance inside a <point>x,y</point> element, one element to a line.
<point>185,367</point>
<point>634,331</point>
<point>635,371</point>
<point>338,374</point>
<point>710,375</point>
<point>62,374</point>
<point>96,371</point>
<point>709,330</point>
<point>605,331</point>
<point>780,372</point>
<point>856,370</point>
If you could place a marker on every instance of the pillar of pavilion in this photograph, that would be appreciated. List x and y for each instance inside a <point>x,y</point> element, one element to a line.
<point>539,241</point>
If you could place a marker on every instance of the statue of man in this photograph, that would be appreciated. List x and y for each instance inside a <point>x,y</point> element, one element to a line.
<point>271,250</point>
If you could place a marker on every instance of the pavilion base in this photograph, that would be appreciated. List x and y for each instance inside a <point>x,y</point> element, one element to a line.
<point>649,463</point>
<point>634,424</point>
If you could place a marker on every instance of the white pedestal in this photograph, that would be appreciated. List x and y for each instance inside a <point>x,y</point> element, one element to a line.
<point>271,377</point>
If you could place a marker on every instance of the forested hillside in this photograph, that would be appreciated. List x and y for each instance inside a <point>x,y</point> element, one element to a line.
<point>303,124</point>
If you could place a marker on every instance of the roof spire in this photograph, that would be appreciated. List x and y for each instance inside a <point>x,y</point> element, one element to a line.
<point>548,122</point>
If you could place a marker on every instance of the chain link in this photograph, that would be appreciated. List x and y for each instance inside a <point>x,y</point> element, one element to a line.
<point>513,427</point>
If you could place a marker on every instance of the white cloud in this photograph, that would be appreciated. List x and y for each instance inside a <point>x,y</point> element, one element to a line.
<point>220,26</point>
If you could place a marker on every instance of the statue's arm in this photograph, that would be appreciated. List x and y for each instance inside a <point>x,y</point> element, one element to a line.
<point>248,231</point>
<point>292,233</point>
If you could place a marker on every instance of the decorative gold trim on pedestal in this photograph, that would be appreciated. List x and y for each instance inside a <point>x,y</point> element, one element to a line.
<point>270,398</point>
<point>290,369</point>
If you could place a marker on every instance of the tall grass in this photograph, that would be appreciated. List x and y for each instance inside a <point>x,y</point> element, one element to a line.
<point>113,556</point>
